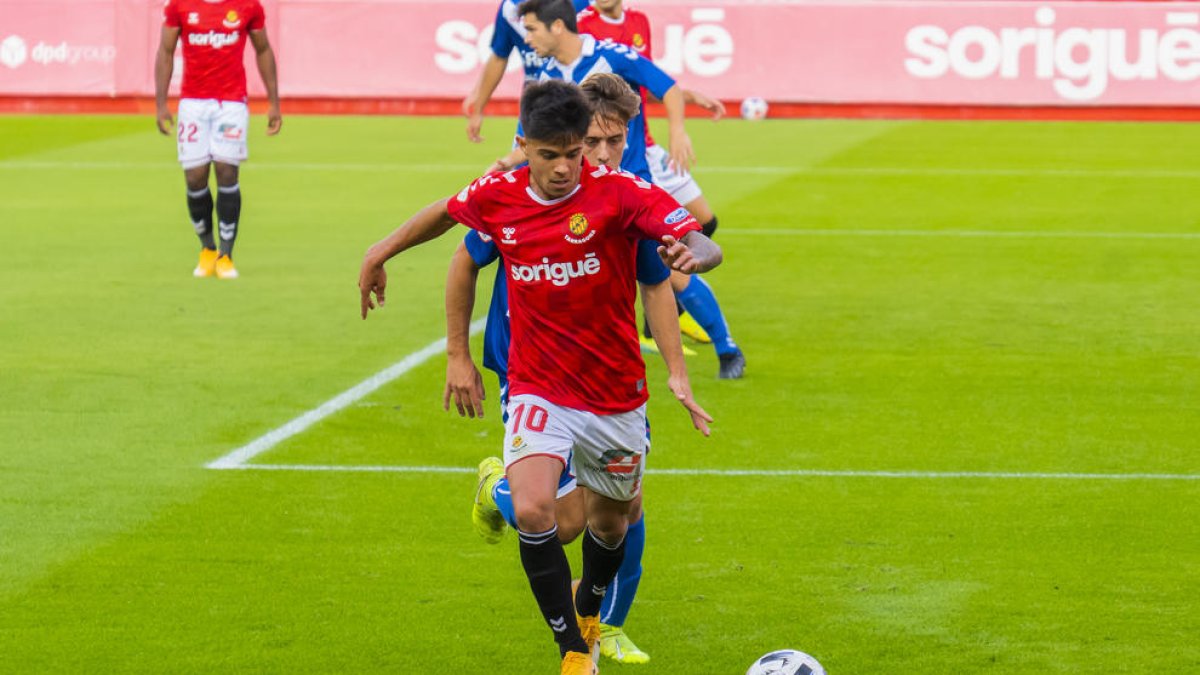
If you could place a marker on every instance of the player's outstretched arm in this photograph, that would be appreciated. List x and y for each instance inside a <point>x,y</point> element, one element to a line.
<point>693,254</point>
<point>481,93</point>
<point>659,303</point>
<point>429,223</point>
<point>265,57</point>
<point>712,105</point>
<point>682,155</point>
<point>464,384</point>
<point>164,65</point>
<point>508,162</point>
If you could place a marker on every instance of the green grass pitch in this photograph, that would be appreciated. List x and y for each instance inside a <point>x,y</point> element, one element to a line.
<point>938,300</point>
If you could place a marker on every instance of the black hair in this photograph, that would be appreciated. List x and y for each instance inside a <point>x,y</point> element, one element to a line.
<point>548,11</point>
<point>554,112</point>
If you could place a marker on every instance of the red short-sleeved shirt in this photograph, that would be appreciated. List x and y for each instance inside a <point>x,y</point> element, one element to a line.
<point>570,268</point>
<point>214,36</point>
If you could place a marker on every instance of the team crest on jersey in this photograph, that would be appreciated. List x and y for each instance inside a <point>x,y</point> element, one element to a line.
<point>509,237</point>
<point>193,18</point>
<point>639,43</point>
<point>232,20</point>
<point>518,442</point>
<point>581,229</point>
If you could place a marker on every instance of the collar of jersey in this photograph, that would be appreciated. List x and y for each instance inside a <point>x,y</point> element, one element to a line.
<point>613,22</point>
<point>589,48</point>
<point>551,202</point>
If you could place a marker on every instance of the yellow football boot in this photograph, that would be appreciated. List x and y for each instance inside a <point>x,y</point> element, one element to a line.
<point>578,663</point>
<point>225,268</point>
<point>689,327</point>
<point>649,346</point>
<point>207,265</point>
<point>489,522</point>
<point>616,645</point>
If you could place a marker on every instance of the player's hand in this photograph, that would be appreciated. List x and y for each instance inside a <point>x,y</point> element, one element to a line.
<point>712,105</point>
<point>372,278</point>
<point>683,393</point>
<point>464,384</point>
<point>682,155</point>
<point>474,119</point>
<point>274,121</point>
<point>500,164</point>
<point>676,255</point>
<point>165,121</point>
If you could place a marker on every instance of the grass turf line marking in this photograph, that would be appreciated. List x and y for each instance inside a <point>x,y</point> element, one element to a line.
<point>476,169</point>
<point>237,458</point>
<point>763,473</point>
<point>962,234</point>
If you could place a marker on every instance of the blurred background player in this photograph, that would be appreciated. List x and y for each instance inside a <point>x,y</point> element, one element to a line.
<point>613,105</point>
<point>507,34</point>
<point>551,29</point>
<point>703,320</point>
<point>213,117</point>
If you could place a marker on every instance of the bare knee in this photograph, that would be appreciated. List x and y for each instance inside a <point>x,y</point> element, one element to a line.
<point>570,516</point>
<point>196,178</point>
<point>608,519</point>
<point>227,174</point>
<point>533,516</point>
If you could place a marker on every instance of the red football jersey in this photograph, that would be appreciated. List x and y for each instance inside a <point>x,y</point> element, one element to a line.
<point>570,267</point>
<point>632,29</point>
<point>214,36</point>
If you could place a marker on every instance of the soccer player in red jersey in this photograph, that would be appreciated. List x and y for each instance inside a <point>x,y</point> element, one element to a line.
<point>704,321</point>
<point>213,116</point>
<point>567,232</point>
<point>613,104</point>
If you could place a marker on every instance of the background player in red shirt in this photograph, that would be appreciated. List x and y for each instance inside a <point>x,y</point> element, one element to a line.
<point>213,117</point>
<point>704,320</point>
<point>567,233</point>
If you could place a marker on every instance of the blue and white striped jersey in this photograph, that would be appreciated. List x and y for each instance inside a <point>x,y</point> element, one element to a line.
<point>610,57</point>
<point>509,34</point>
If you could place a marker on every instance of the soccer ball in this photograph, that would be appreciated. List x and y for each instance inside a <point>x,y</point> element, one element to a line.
<point>754,108</point>
<point>786,662</point>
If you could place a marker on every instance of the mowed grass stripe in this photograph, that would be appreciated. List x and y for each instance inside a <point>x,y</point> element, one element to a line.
<point>749,473</point>
<point>700,169</point>
<point>124,378</point>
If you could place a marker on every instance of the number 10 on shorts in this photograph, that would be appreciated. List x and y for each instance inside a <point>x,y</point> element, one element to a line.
<point>534,417</point>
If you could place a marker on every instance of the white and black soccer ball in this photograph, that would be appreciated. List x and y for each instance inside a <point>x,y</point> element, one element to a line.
<point>754,108</point>
<point>786,662</point>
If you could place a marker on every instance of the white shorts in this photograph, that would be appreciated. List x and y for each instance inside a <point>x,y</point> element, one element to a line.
<point>212,131</point>
<point>605,452</point>
<point>683,188</point>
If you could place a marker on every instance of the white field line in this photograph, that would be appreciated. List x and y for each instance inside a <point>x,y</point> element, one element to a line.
<point>959,234</point>
<point>763,473</point>
<point>237,458</point>
<point>1148,173</point>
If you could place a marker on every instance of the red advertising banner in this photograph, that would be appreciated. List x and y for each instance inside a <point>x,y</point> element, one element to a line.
<point>55,46</point>
<point>960,52</point>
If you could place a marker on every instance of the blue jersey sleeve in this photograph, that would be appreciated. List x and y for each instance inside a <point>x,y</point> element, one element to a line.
<point>651,269</point>
<point>504,36</point>
<point>639,71</point>
<point>483,251</point>
<point>581,5</point>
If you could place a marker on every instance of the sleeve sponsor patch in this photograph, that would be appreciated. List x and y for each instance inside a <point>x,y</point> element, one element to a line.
<point>677,216</point>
